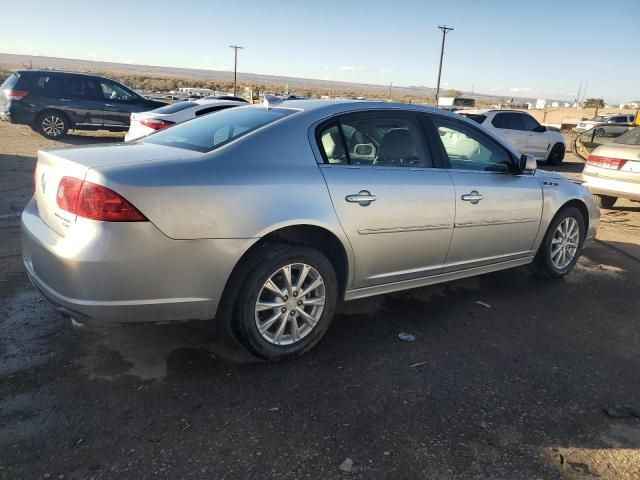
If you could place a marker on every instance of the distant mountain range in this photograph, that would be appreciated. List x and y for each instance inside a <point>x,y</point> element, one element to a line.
<point>28,61</point>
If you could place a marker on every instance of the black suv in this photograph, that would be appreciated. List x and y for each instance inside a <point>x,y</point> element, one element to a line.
<point>53,102</point>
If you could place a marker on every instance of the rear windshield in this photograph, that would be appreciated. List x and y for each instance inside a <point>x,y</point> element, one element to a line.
<point>212,131</point>
<point>632,137</point>
<point>10,82</point>
<point>175,107</point>
<point>476,117</point>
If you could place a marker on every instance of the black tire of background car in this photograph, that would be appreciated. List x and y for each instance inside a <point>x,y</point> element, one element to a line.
<point>258,270</point>
<point>48,114</point>
<point>556,155</point>
<point>542,264</point>
<point>604,201</point>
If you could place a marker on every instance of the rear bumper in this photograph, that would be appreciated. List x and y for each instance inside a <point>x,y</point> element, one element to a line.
<point>126,272</point>
<point>612,187</point>
<point>14,112</point>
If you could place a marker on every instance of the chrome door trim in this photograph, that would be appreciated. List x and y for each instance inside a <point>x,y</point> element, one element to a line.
<point>438,278</point>
<point>496,222</point>
<point>411,228</point>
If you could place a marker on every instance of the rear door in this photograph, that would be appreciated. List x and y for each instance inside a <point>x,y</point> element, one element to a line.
<point>79,98</point>
<point>508,125</point>
<point>393,201</point>
<point>498,210</point>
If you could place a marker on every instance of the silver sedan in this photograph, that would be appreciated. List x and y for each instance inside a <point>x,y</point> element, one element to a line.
<point>266,216</point>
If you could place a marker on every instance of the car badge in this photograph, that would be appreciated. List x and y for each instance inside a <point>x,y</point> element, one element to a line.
<point>43,183</point>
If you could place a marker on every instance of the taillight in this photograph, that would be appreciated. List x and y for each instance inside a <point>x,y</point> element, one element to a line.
<point>15,94</point>
<point>606,162</point>
<point>156,123</point>
<point>95,202</point>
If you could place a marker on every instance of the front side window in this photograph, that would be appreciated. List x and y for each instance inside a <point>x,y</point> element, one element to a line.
<point>379,139</point>
<point>469,149</point>
<point>529,123</point>
<point>509,121</point>
<point>113,91</point>
<point>208,132</point>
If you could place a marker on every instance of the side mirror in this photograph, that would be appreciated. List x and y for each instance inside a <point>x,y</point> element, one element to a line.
<point>540,129</point>
<point>528,164</point>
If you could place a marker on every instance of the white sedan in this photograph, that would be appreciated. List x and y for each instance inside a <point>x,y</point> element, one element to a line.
<point>523,132</point>
<point>145,123</point>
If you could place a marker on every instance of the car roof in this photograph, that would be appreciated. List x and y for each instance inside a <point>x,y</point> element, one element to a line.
<point>62,72</point>
<point>341,104</point>
<point>215,101</point>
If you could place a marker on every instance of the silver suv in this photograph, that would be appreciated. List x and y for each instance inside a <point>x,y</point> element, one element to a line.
<point>266,216</point>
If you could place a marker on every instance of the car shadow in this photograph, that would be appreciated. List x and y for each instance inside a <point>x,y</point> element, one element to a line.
<point>89,138</point>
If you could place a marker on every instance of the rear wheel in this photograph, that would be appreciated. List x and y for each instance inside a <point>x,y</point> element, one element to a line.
<point>556,155</point>
<point>604,201</point>
<point>562,244</point>
<point>52,124</point>
<point>285,303</point>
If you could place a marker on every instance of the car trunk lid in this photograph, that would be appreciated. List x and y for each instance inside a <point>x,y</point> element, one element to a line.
<point>53,165</point>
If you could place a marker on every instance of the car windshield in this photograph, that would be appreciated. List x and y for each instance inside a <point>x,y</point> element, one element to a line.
<point>475,117</point>
<point>598,118</point>
<point>212,131</point>
<point>632,137</point>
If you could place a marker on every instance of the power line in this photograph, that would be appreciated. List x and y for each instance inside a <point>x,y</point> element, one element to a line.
<point>235,67</point>
<point>445,30</point>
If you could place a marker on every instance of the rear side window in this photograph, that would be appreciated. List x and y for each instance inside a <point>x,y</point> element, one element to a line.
<point>209,132</point>
<point>476,117</point>
<point>175,107</point>
<point>78,86</point>
<point>509,121</point>
<point>379,139</point>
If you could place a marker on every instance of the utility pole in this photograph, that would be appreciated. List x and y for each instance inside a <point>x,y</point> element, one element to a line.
<point>578,96</point>
<point>445,30</point>
<point>390,87</point>
<point>235,67</point>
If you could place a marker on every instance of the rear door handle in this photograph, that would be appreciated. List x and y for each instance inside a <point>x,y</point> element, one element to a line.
<point>474,197</point>
<point>65,100</point>
<point>109,105</point>
<point>363,197</point>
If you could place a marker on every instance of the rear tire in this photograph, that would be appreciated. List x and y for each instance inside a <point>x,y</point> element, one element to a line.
<point>562,244</point>
<point>604,201</point>
<point>282,326</point>
<point>52,124</point>
<point>556,155</point>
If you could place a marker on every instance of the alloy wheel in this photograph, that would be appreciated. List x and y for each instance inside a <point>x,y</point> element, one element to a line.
<point>53,125</point>
<point>290,304</point>
<point>564,244</point>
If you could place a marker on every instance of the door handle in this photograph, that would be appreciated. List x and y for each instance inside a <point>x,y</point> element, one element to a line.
<point>363,197</point>
<point>109,105</point>
<point>65,100</point>
<point>474,197</point>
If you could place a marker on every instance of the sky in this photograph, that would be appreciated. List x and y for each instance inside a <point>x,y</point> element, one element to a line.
<point>532,48</point>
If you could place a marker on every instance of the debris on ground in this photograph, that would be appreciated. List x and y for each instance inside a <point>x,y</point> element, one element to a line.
<point>407,337</point>
<point>346,466</point>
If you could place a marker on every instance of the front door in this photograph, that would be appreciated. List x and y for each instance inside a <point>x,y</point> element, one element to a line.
<point>119,104</point>
<point>498,210</point>
<point>508,126</point>
<point>538,143</point>
<point>395,206</point>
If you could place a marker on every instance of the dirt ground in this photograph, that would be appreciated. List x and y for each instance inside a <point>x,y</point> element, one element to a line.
<point>541,383</point>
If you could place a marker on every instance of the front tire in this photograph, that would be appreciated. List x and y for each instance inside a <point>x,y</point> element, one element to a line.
<point>604,201</point>
<point>52,124</point>
<point>556,155</point>
<point>562,244</point>
<point>285,303</point>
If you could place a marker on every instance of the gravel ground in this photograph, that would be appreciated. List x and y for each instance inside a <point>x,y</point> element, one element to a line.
<point>540,380</point>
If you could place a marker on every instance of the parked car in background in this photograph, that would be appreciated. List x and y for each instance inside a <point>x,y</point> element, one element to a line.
<point>145,123</point>
<point>264,216</point>
<point>612,167</point>
<point>523,132</point>
<point>54,102</point>
<point>618,119</point>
